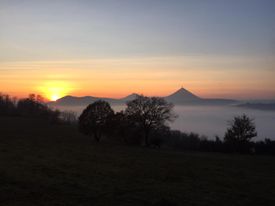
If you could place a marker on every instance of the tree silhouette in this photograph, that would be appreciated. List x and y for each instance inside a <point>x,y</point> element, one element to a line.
<point>33,106</point>
<point>7,105</point>
<point>119,125</point>
<point>242,129</point>
<point>94,119</point>
<point>149,113</point>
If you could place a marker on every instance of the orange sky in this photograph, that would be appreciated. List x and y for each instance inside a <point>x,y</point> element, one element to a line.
<point>113,48</point>
<point>206,76</point>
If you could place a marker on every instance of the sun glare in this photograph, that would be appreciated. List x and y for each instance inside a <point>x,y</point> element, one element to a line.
<point>53,90</point>
<point>55,97</point>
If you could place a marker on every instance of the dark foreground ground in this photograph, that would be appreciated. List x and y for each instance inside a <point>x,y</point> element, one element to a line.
<point>54,166</point>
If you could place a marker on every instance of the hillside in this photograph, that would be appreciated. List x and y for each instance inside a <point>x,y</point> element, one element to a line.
<point>44,164</point>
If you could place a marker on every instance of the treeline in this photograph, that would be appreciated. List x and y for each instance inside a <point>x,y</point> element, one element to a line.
<point>194,142</point>
<point>33,106</point>
<point>144,122</point>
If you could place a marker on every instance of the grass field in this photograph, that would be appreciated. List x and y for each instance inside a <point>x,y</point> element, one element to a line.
<point>43,164</point>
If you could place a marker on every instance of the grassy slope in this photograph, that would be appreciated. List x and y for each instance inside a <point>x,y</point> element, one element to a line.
<point>54,165</point>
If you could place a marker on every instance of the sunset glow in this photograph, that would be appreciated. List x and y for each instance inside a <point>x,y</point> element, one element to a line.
<point>55,97</point>
<point>62,48</point>
<point>53,90</point>
<point>205,76</point>
<point>137,102</point>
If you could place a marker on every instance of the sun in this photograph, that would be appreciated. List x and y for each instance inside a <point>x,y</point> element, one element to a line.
<point>54,90</point>
<point>55,97</point>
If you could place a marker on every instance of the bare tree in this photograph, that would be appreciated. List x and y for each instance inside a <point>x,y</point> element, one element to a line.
<point>149,113</point>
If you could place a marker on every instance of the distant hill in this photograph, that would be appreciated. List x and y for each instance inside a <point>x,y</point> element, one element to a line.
<point>180,97</point>
<point>76,101</point>
<point>259,106</point>
<point>71,100</point>
<point>185,97</point>
<point>129,97</point>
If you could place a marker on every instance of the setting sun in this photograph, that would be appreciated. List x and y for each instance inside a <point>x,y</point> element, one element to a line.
<point>55,97</point>
<point>54,90</point>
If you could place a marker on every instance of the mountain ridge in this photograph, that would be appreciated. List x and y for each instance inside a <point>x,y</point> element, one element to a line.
<point>180,97</point>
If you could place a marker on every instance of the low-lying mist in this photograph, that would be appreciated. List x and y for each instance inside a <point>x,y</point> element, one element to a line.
<point>209,120</point>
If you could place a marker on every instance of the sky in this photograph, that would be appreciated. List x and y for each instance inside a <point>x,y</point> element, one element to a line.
<point>111,48</point>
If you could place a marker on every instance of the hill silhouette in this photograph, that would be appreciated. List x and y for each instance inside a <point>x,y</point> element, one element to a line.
<point>182,95</point>
<point>179,97</point>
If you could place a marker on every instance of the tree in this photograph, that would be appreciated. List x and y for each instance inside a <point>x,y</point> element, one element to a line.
<point>242,129</point>
<point>149,113</point>
<point>7,105</point>
<point>95,118</point>
<point>34,107</point>
<point>119,126</point>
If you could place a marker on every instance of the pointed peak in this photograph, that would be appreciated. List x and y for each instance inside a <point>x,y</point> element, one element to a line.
<point>183,93</point>
<point>183,90</point>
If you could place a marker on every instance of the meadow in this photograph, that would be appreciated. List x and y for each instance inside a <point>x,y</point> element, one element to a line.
<point>45,164</point>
